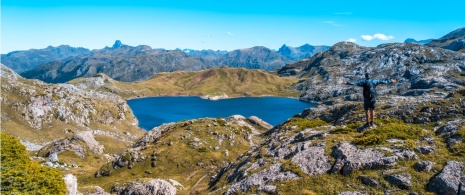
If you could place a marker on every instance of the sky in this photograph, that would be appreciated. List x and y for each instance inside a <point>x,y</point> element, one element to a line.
<point>222,24</point>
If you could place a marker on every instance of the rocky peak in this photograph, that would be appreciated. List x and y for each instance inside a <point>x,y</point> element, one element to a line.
<point>117,44</point>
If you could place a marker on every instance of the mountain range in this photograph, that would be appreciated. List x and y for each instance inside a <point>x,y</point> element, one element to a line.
<point>127,63</point>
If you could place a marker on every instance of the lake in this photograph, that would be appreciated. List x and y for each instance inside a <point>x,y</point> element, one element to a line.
<point>154,111</point>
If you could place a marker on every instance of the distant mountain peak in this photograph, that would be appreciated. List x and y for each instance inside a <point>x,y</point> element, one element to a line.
<point>117,44</point>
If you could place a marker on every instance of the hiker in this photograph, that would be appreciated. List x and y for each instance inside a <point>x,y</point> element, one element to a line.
<point>369,95</point>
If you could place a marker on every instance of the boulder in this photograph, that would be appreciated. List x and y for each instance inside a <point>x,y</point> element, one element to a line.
<point>71,184</point>
<point>447,181</point>
<point>369,181</point>
<point>98,191</point>
<point>53,157</point>
<point>349,158</point>
<point>425,149</point>
<point>261,179</point>
<point>257,121</point>
<point>313,160</point>
<point>400,180</point>
<point>423,166</point>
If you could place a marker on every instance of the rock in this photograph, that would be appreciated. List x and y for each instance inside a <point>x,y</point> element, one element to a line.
<point>98,191</point>
<point>425,166</point>
<point>268,189</point>
<point>49,164</point>
<point>352,193</point>
<point>391,171</point>
<point>369,181</point>
<point>349,158</point>
<point>313,160</point>
<point>153,164</point>
<point>406,154</point>
<point>271,174</point>
<point>88,138</point>
<point>257,121</point>
<point>400,180</point>
<point>175,183</point>
<point>450,128</point>
<point>71,184</point>
<point>425,149</point>
<point>155,186</point>
<point>447,181</point>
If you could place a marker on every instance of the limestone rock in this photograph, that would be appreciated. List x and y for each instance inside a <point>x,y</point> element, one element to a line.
<point>98,191</point>
<point>257,121</point>
<point>155,186</point>
<point>313,160</point>
<point>400,180</point>
<point>261,179</point>
<point>425,166</point>
<point>425,149</point>
<point>349,158</point>
<point>71,184</point>
<point>447,181</point>
<point>369,181</point>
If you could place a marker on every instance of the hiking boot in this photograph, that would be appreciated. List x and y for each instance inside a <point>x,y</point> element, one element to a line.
<point>372,125</point>
<point>366,125</point>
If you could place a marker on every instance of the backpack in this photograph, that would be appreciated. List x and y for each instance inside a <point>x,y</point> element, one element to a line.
<point>369,91</point>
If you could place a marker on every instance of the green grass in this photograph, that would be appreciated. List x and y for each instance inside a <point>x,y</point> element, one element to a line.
<point>389,129</point>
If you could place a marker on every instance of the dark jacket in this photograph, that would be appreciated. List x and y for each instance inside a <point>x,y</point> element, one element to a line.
<point>369,87</point>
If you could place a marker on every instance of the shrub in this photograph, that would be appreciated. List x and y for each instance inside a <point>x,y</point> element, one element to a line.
<point>20,175</point>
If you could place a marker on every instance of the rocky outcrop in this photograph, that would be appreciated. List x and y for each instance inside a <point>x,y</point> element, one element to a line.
<point>312,160</point>
<point>155,186</point>
<point>370,181</point>
<point>349,158</point>
<point>262,179</point>
<point>257,121</point>
<point>454,41</point>
<point>417,68</point>
<point>74,144</point>
<point>448,180</point>
<point>98,191</point>
<point>425,166</point>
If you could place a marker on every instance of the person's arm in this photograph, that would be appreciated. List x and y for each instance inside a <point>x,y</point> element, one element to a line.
<point>357,83</point>
<point>386,81</point>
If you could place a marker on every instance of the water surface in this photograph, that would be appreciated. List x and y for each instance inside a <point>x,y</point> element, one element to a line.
<point>154,111</point>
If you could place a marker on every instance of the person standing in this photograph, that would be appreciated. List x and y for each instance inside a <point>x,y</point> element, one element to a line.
<point>369,95</point>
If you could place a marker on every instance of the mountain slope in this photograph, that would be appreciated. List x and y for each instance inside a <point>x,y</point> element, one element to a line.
<point>254,58</point>
<point>22,61</point>
<point>304,51</point>
<point>454,41</point>
<point>232,82</point>
<point>423,42</point>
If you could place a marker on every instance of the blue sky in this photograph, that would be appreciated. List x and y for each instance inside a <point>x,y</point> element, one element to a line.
<point>221,24</point>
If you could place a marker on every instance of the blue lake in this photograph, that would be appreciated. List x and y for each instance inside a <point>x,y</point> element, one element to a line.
<point>154,111</point>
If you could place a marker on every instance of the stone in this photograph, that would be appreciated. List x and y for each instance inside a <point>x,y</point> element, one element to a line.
<point>257,121</point>
<point>312,160</point>
<point>53,157</point>
<point>425,149</point>
<point>71,184</point>
<point>369,181</point>
<point>406,154</point>
<point>448,179</point>
<point>352,193</point>
<point>400,180</point>
<point>49,164</point>
<point>349,158</point>
<point>424,166</point>
<point>153,164</point>
<point>98,191</point>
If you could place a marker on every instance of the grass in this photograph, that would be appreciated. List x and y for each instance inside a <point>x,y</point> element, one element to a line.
<point>389,129</point>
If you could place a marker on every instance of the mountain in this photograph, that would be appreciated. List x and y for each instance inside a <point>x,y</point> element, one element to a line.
<point>206,54</point>
<point>410,40</point>
<point>254,58</point>
<point>419,69</point>
<point>121,62</point>
<point>22,61</point>
<point>224,81</point>
<point>304,51</point>
<point>454,41</point>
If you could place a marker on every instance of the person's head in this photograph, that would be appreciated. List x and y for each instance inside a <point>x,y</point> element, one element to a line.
<point>367,76</point>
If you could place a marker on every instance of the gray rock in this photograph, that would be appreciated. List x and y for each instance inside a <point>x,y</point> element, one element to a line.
<point>352,193</point>
<point>406,154</point>
<point>313,160</point>
<point>425,149</point>
<point>71,184</point>
<point>449,129</point>
<point>447,181</point>
<point>425,166</point>
<point>98,191</point>
<point>369,181</point>
<point>257,121</point>
<point>268,189</point>
<point>400,180</point>
<point>49,164</point>
<point>53,157</point>
<point>262,178</point>
<point>349,158</point>
<point>155,186</point>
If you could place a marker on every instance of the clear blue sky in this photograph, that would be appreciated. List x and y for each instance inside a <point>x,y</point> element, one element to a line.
<point>222,24</point>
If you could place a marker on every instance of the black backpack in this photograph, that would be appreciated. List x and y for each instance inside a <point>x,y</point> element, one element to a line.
<point>369,91</point>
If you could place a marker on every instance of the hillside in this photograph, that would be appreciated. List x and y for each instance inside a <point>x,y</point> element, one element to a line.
<point>420,70</point>
<point>232,82</point>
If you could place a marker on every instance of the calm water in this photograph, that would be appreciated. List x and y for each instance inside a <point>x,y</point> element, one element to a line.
<point>154,111</point>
